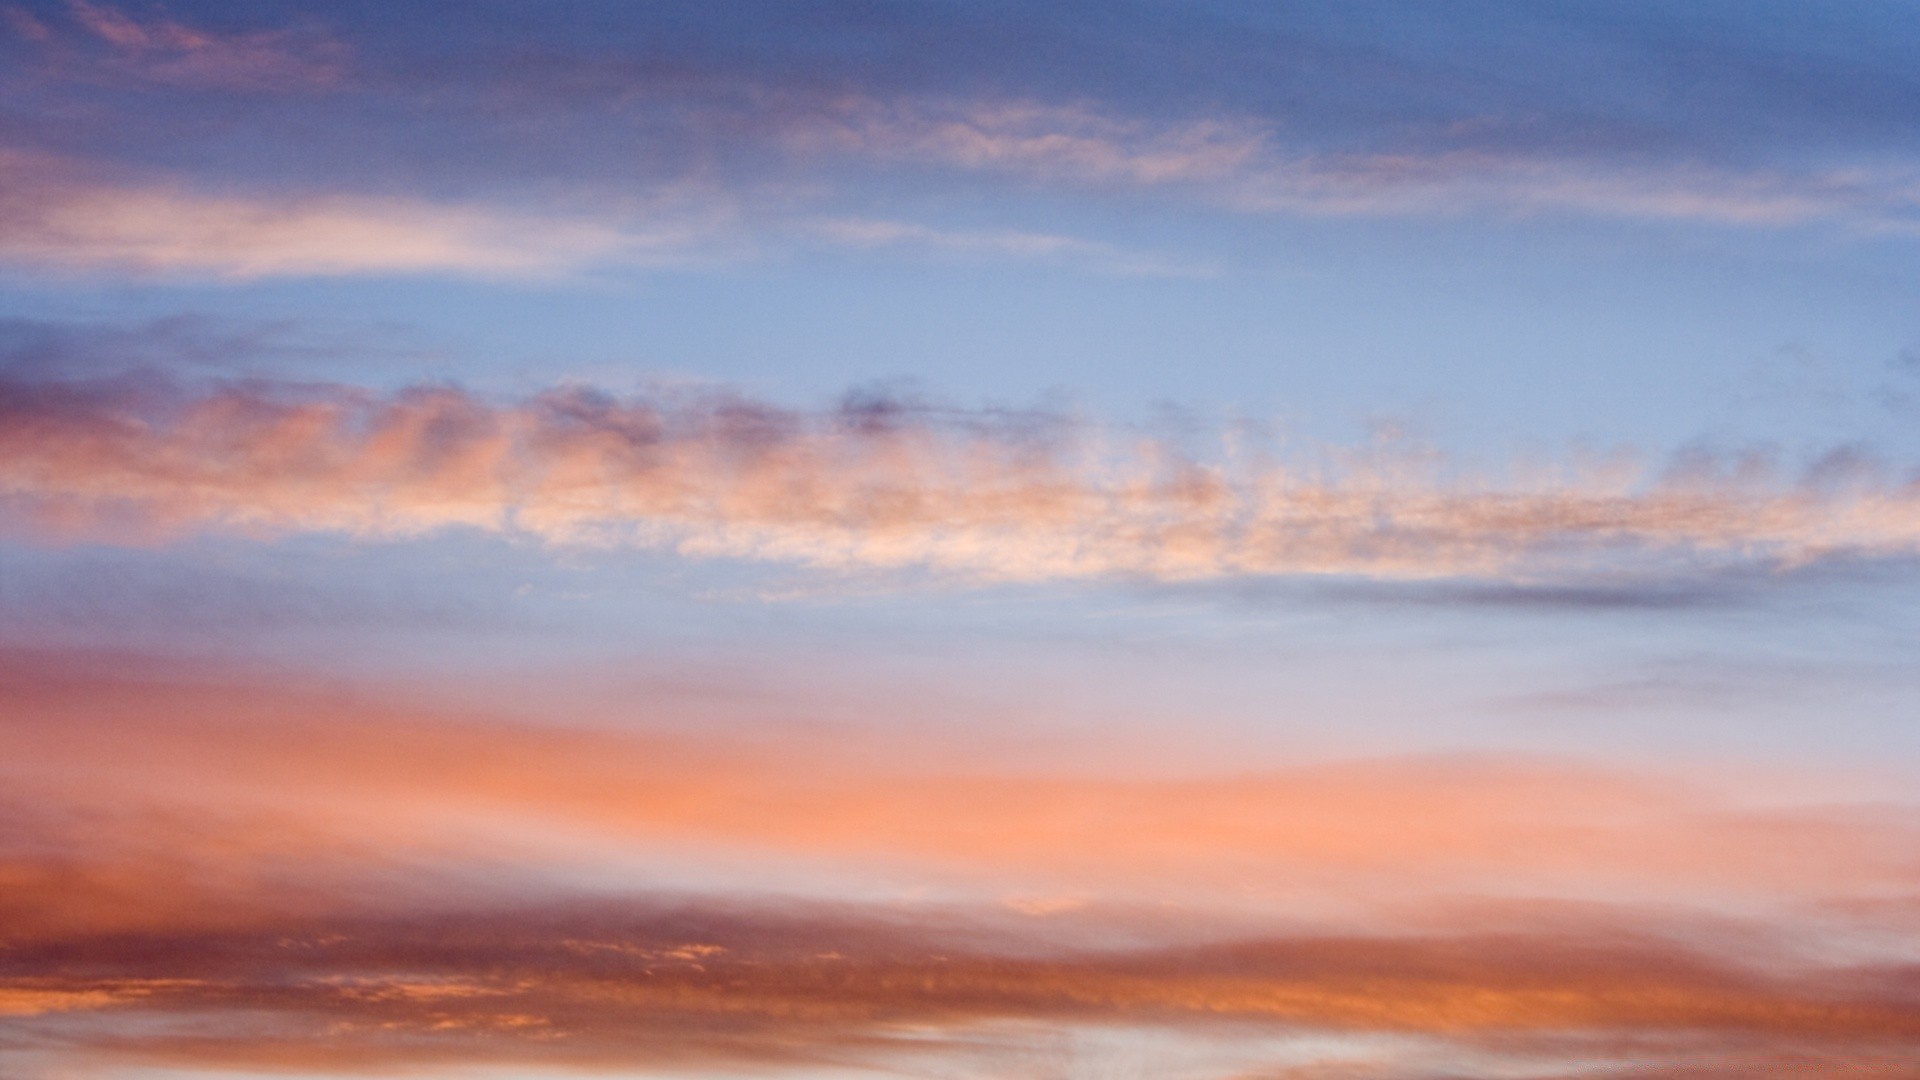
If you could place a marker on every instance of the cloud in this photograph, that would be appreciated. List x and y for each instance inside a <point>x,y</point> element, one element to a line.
<point>892,486</point>
<point>1676,119</point>
<point>103,41</point>
<point>1242,164</point>
<point>208,869</point>
<point>1073,143</point>
<point>55,217</point>
<point>866,233</point>
<point>133,798</point>
<point>644,983</point>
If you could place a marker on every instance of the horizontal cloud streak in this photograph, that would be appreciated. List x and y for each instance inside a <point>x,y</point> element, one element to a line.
<point>1243,165</point>
<point>882,484</point>
<point>210,872</point>
<point>866,234</point>
<point>640,983</point>
<point>1745,131</point>
<point>146,795</point>
<point>54,218</point>
<point>100,40</point>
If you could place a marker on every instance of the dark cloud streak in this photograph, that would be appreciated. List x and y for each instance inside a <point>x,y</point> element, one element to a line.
<point>649,983</point>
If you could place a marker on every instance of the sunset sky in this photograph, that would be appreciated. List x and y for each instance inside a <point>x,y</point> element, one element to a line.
<point>959,540</point>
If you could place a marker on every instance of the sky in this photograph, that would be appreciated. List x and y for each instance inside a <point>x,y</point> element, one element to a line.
<point>911,538</point>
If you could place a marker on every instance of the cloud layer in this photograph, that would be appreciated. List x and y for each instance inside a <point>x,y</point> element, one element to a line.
<point>166,780</point>
<point>503,113</point>
<point>227,871</point>
<point>880,484</point>
<point>641,985</point>
<point>53,217</point>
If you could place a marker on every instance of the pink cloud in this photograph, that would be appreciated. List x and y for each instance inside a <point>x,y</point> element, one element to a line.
<point>53,217</point>
<point>124,787</point>
<point>1247,166</point>
<point>896,490</point>
<point>23,23</point>
<point>162,50</point>
<point>224,871</point>
<point>1052,142</point>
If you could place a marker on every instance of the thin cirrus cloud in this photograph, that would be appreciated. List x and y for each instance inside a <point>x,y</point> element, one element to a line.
<point>872,234</point>
<point>55,218</point>
<point>885,485</point>
<point>745,123</point>
<point>737,132</point>
<point>1234,158</point>
<point>101,41</point>
<point>52,218</point>
<point>1241,164</point>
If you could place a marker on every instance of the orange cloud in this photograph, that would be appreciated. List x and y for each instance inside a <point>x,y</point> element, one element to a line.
<point>136,802</point>
<point>241,872</point>
<point>880,486</point>
<point>636,984</point>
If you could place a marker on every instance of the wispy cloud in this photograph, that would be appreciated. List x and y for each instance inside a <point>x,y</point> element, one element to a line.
<point>53,217</point>
<point>892,485</point>
<point>101,40</point>
<point>1244,164</point>
<point>1073,143</point>
<point>1342,131</point>
<point>869,233</point>
<point>57,215</point>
